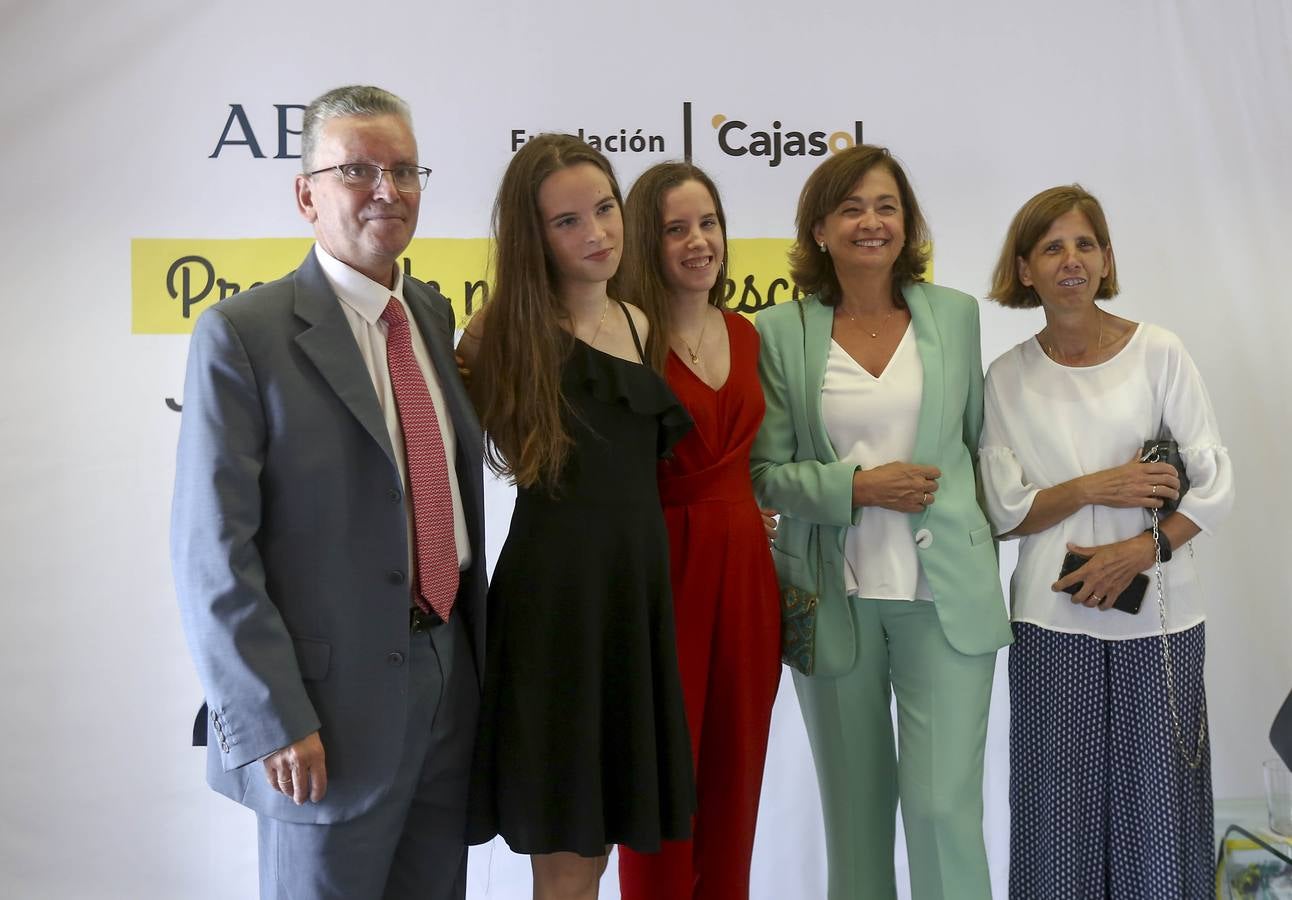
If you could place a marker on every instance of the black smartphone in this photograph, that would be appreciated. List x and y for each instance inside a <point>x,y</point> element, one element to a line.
<point>1128,601</point>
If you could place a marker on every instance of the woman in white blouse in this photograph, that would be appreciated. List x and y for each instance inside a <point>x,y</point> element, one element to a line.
<point>1110,785</point>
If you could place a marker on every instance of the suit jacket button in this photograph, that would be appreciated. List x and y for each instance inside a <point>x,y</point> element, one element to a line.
<point>395,658</point>
<point>395,495</point>
<point>395,576</point>
<point>924,539</point>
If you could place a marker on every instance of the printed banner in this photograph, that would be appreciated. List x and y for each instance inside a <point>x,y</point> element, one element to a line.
<point>174,279</point>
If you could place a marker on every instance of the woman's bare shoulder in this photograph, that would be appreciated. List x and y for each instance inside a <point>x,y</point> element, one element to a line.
<point>640,321</point>
<point>469,343</point>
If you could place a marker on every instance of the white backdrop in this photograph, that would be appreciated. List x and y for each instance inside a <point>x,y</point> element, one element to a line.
<point>1175,113</point>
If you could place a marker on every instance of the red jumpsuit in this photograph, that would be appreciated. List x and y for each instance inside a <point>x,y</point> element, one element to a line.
<point>727,613</point>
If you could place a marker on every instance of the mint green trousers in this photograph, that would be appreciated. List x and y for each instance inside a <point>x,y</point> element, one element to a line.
<point>935,769</point>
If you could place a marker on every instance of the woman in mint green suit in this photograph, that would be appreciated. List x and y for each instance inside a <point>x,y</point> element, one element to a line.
<point>874,406</point>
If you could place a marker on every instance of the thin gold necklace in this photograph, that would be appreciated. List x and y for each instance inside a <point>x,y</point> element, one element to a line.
<point>1054,353</point>
<point>875,333</point>
<point>604,306</point>
<point>699,341</point>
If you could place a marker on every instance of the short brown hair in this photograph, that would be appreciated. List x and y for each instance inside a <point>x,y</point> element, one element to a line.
<point>1025,232</point>
<point>825,189</point>
<point>639,273</point>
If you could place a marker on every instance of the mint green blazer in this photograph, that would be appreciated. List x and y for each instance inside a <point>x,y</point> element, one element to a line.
<point>795,471</point>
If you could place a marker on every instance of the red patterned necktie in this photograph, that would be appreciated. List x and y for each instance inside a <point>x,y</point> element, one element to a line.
<point>435,583</point>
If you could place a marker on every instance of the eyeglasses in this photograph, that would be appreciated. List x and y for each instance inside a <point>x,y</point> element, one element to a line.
<point>367,177</point>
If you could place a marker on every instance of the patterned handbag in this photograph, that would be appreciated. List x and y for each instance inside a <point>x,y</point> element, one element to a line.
<point>798,621</point>
<point>798,629</point>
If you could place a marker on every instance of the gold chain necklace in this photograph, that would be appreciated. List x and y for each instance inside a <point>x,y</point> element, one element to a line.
<point>699,341</point>
<point>1054,354</point>
<point>875,333</point>
<point>602,321</point>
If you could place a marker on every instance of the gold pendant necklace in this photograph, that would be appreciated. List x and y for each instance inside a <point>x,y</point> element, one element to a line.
<point>875,333</point>
<point>699,341</point>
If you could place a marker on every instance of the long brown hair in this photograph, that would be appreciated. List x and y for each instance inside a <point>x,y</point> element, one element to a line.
<point>827,187</point>
<point>517,387</point>
<point>640,272</point>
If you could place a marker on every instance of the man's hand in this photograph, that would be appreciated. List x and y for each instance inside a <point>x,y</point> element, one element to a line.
<point>298,770</point>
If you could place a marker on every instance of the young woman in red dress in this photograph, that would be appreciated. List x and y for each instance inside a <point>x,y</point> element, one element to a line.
<point>725,595</point>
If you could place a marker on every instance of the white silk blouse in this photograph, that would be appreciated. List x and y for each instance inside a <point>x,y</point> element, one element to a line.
<point>872,420</point>
<point>1047,423</point>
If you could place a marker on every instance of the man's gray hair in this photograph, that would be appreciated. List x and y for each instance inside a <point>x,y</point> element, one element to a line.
<point>351,100</point>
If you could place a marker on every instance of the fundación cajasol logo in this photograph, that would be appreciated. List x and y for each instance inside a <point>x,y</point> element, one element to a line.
<point>771,142</point>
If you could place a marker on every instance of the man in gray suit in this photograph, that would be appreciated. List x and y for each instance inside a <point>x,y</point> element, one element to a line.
<point>332,601</point>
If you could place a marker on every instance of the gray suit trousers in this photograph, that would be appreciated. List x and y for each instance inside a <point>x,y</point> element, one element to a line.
<point>410,845</point>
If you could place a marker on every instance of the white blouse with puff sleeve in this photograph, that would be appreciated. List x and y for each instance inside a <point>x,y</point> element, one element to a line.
<point>1046,423</point>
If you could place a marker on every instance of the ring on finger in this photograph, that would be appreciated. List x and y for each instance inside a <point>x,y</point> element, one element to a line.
<point>1154,490</point>
<point>924,500</point>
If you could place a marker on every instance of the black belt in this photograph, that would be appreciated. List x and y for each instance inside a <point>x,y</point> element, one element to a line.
<point>420,621</point>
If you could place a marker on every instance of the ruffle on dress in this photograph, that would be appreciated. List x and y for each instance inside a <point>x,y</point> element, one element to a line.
<point>637,386</point>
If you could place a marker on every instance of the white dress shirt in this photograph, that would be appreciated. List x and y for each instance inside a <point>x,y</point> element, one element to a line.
<point>872,421</point>
<point>1045,423</point>
<point>363,301</point>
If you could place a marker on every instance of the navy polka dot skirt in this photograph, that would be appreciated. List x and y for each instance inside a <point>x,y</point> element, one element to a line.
<point>1102,804</point>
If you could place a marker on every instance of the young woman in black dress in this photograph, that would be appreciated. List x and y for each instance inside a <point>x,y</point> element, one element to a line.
<point>582,738</point>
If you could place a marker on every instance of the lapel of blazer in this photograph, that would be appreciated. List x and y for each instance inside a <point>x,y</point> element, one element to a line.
<point>818,320</point>
<point>928,434</point>
<point>329,343</point>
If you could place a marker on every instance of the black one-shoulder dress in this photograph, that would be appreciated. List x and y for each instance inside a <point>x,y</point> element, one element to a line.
<point>583,739</point>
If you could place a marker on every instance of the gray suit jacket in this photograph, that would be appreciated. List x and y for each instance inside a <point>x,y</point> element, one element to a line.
<point>289,540</point>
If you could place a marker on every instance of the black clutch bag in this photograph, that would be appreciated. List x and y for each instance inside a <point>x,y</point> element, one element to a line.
<point>1128,601</point>
<point>1167,451</point>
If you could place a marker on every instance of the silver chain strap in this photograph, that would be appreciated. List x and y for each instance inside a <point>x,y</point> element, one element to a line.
<point>1193,760</point>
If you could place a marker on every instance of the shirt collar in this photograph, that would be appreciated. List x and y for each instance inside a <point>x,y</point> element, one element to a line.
<point>356,290</point>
